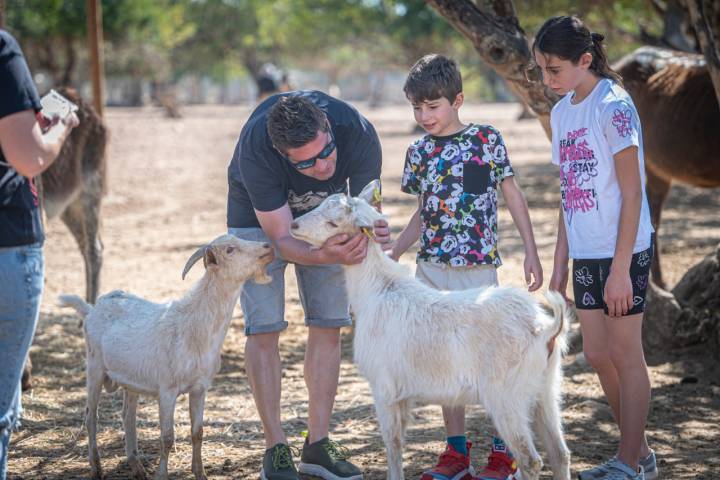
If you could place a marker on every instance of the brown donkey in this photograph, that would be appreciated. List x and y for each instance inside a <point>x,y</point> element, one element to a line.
<point>72,188</point>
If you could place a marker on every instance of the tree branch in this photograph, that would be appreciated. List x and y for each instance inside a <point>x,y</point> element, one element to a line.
<point>708,32</point>
<point>494,30</point>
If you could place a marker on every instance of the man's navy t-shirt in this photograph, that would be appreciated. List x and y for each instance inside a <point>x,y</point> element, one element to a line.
<point>262,179</point>
<point>19,212</point>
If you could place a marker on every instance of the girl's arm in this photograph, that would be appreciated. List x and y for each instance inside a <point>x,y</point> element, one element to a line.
<point>517,205</point>
<point>618,289</point>
<point>559,278</point>
<point>409,235</point>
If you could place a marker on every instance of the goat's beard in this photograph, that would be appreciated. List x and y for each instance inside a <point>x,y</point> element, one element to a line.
<point>262,277</point>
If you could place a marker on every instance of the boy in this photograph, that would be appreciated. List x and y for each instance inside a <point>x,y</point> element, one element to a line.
<point>455,170</point>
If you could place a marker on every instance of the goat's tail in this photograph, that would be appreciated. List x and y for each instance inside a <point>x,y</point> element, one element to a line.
<point>561,325</point>
<point>81,306</point>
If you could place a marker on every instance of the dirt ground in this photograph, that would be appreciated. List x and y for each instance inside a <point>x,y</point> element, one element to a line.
<point>167,196</point>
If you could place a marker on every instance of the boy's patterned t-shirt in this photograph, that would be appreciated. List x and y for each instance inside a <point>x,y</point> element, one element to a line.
<point>457,178</point>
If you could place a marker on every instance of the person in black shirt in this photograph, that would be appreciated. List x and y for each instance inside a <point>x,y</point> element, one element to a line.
<point>295,150</point>
<point>29,143</point>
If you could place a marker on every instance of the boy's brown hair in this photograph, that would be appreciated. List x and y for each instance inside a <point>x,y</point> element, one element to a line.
<point>432,77</point>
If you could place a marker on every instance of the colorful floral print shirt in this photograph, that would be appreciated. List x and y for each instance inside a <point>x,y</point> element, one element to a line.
<point>457,178</point>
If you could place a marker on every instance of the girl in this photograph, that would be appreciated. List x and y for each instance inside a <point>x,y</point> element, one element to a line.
<point>604,226</point>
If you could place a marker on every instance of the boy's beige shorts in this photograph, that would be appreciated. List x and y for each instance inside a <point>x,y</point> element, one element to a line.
<point>445,277</point>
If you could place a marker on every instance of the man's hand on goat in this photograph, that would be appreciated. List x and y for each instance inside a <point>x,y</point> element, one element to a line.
<point>533,271</point>
<point>345,249</point>
<point>381,229</point>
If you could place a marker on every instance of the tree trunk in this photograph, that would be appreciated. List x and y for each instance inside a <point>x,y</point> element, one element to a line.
<point>494,31</point>
<point>689,314</point>
<point>705,17</point>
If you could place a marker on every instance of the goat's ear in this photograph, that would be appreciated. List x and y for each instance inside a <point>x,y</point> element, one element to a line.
<point>371,193</point>
<point>363,214</point>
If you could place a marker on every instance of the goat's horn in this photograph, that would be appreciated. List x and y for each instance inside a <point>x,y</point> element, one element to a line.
<point>199,253</point>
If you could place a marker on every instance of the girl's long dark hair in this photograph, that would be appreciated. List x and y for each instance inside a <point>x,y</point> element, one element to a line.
<point>568,39</point>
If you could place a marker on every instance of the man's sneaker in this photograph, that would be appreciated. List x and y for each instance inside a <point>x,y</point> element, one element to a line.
<point>278,464</point>
<point>328,460</point>
<point>501,464</point>
<point>452,465</point>
<point>618,470</point>
<point>649,465</point>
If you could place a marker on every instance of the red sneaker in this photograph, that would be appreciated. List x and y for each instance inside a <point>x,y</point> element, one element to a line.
<point>452,465</point>
<point>501,464</point>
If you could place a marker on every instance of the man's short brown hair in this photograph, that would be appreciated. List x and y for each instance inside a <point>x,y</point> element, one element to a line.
<point>432,77</point>
<point>294,121</point>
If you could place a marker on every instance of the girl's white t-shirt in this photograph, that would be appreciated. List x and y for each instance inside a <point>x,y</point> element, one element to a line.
<point>585,137</point>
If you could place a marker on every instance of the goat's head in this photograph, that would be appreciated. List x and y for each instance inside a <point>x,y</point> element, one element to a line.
<point>338,214</point>
<point>235,259</point>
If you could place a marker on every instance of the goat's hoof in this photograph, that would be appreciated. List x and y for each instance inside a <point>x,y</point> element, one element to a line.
<point>96,474</point>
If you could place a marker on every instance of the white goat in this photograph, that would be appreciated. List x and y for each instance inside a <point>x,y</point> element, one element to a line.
<point>494,346</point>
<point>165,350</point>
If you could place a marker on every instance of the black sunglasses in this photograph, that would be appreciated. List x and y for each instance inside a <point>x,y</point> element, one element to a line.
<point>324,153</point>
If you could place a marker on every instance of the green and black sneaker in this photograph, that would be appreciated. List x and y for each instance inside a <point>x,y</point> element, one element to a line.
<point>278,464</point>
<point>328,460</point>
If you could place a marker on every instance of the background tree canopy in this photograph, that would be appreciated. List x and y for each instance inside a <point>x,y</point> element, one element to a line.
<point>163,40</point>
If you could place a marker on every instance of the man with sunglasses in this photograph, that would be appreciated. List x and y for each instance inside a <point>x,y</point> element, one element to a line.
<point>295,150</point>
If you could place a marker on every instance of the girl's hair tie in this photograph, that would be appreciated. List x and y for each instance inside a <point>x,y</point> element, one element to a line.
<point>597,37</point>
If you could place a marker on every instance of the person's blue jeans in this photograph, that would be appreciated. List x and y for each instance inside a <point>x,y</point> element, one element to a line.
<point>21,286</point>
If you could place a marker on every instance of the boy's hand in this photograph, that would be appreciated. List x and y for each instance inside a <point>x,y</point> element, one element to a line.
<point>559,281</point>
<point>533,270</point>
<point>618,292</point>
<point>382,234</point>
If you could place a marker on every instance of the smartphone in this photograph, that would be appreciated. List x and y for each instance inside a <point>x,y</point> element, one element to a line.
<point>55,104</point>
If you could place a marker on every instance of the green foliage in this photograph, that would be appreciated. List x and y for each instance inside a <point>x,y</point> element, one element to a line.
<point>165,39</point>
<point>136,32</point>
<point>620,20</point>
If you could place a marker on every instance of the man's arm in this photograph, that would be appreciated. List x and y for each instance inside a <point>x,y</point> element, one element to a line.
<point>26,147</point>
<point>518,210</point>
<point>338,249</point>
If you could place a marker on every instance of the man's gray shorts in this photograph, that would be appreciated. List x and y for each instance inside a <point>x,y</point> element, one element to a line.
<point>322,293</point>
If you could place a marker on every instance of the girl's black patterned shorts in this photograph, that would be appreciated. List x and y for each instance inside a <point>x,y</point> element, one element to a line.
<point>590,275</point>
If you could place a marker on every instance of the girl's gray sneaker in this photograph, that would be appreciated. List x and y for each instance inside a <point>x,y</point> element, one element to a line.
<point>617,470</point>
<point>595,472</point>
<point>649,465</point>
